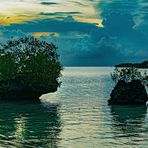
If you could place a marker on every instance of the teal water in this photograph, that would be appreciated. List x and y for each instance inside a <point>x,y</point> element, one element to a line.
<point>76,116</point>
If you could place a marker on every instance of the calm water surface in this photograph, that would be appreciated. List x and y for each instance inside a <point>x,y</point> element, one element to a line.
<point>76,116</point>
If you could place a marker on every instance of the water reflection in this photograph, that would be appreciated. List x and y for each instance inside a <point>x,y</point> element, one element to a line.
<point>128,121</point>
<point>29,124</point>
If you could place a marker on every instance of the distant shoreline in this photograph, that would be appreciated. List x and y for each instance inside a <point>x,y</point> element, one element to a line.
<point>88,66</point>
<point>137,65</point>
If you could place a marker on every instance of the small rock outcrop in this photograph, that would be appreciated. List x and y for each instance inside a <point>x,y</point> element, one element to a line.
<point>14,89</point>
<point>130,93</point>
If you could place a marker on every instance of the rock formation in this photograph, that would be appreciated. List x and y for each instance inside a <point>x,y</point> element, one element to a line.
<point>130,93</point>
<point>14,89</point>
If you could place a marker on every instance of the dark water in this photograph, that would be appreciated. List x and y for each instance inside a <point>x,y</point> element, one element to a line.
<point>76,116</point>
<point>28,125</point>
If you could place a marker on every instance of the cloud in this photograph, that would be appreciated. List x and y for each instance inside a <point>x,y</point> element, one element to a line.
<point>53,25</point>
<point>48,3</point>
<point>59,13</point>
<point>13,34</point>
<point>124,37</point>
<point>79,3</point>
<point>85,44</point>
<point>119,40</point>
<point>79,49</point>
<point>123,21</point>
<point>69,19</point>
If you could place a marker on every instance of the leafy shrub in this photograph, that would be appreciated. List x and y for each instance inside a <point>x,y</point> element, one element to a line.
<point>33,61</point>
<point>129,74</point>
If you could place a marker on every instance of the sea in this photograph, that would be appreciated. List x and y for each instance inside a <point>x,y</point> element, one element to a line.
<point>76,116</point>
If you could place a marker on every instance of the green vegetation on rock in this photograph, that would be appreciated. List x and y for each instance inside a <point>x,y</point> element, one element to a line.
<point>129,74</point>
<point>129,88</point>
<point>32,62</point>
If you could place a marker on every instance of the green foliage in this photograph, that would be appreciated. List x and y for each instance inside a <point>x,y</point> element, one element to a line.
<point>35,62</point>
<point>137,65</point>
<point>8,67</point>
<point>129,74</point>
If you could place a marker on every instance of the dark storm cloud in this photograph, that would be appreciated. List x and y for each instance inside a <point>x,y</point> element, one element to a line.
<point>118,6</point>
<point>119,41</point>
<point>120,21</point>
<point>53,25</point>
<point>143,18</point>
<point>58,13</point>
<point>124,37</point>
<point>90,49</point>
<point>48,3</point>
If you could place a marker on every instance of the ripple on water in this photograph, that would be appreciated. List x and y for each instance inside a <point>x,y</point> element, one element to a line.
<point>77,115</point>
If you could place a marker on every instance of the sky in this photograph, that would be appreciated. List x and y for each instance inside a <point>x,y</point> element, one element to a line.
<point>87,32</point>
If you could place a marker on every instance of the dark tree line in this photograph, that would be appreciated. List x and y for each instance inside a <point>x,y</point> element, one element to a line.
<point>137,65</point>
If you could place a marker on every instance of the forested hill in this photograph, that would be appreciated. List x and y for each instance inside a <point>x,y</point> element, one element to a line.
<point>137,65</point>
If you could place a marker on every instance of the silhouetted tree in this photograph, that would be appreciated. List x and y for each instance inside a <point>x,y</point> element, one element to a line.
<point>128,74</point>
<point>35,62</point>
